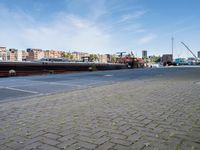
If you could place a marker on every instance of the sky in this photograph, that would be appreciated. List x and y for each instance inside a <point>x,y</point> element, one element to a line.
<point>101,26</point>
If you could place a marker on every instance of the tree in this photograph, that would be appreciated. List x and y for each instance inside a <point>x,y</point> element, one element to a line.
<point>93,58</point>
<point>154,59</point>
<point>113,59</point>
<point>69,55</point>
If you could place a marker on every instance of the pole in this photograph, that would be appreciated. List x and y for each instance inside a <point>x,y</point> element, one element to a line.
<point>172,47</point>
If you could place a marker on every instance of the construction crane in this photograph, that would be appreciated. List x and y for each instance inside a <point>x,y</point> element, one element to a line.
<point>121,53</point>
<point>196,59</point>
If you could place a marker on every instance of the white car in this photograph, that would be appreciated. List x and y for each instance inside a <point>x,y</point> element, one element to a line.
<point>155,65</point>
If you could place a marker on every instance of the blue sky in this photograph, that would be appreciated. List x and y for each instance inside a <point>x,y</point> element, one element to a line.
<point>101,26</point>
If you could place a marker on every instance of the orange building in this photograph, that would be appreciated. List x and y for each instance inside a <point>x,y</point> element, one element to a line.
<point>34,54</point>
<point>53,54</point>
<point>12,56</point>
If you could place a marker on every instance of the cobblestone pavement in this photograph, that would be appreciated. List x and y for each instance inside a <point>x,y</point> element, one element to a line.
<point>155,113</point>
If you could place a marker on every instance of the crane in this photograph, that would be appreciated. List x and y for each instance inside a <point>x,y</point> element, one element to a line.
<point>121,53</point>
<point>196,59</point>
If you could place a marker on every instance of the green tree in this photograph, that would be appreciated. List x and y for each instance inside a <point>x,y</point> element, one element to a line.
<point>113,59</point>
<point>154,59</point>
<point>93,57</point>
<point>69,55</point>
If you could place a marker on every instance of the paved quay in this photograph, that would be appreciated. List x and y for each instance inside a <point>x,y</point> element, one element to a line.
<point>159,111</point>
<point>18,88</point>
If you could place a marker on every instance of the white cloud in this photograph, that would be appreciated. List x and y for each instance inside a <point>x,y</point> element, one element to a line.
<point>147,39</point>
<point>134,28</point>
<point>70,31</point>
<point>132,16</point>
<point>65,32</point>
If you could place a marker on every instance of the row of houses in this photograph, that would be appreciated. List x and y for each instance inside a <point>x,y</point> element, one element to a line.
<point>32,54</point>
<point>11,54</point>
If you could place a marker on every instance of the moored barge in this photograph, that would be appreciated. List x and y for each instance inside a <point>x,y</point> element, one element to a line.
<point>47,67</point>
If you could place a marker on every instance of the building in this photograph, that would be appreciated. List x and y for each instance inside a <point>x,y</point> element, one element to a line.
<point>167,59</point>
<point>198,54</point>
<point>12,54</point>
<point>30,54</point>
<point>103,58</point>
<point>3,54</point>
<point>24,55</point>
<point>109,58</point>
<point>19,55</point>
<point>34,54</point>
<point>53,54</point>
<point>191,60</point>
<point>181,61</point>
<point>144,54</point>
<point>80,55</point>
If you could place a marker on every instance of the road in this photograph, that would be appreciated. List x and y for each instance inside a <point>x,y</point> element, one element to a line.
<point>18,88</point>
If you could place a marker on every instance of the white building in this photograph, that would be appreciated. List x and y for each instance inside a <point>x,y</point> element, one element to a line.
<point>19,55</point>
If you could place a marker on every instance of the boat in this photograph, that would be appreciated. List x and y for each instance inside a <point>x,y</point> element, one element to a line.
<point>53,67</point>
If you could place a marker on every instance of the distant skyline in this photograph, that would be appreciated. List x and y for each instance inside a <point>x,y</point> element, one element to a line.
<point>101,26</point>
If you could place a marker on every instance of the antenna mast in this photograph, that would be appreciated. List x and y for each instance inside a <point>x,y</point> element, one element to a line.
<point>172,47</point>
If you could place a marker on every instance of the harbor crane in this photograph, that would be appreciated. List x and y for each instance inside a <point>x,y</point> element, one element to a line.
<point>196,59</point>
<point>121,53</point>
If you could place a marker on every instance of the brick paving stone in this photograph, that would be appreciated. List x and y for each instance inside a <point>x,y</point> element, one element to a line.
<point>146,121</point>
<point>3,141</point>
<point>67,133</point>
<point>138,145</point>
<point>189,145</point>
<point>122,142</point>
<point>105,146</point>
<point>33,140</point>
<point>67,137</point>
<point>48,147</point>
<point>134,137</point>
<point>101,140</point>
<point>15,145</point>
<point>117,136</point>
<point>66,144</point>
<point>129,132</point>
<point>32,146</point>
<point>74,147</point>
<point>84,133</point>
<point>34,135</point>
<point>49,141</point>
<point>86,145</point>
<point>3,147</point>
<point>140,118</point>
<point>121,147</point>
<point>99,134</point>
<point>173,143</point>
<point>2,136</point>
<point>124,127</point>
<point>52,136</point>
<point>161,112</point>
<point>85,139</point>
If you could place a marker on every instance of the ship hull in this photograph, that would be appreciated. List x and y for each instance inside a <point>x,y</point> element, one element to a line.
<point>34,68</point>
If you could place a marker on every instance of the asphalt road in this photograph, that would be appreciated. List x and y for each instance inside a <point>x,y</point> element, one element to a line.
<point>19,88</point>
